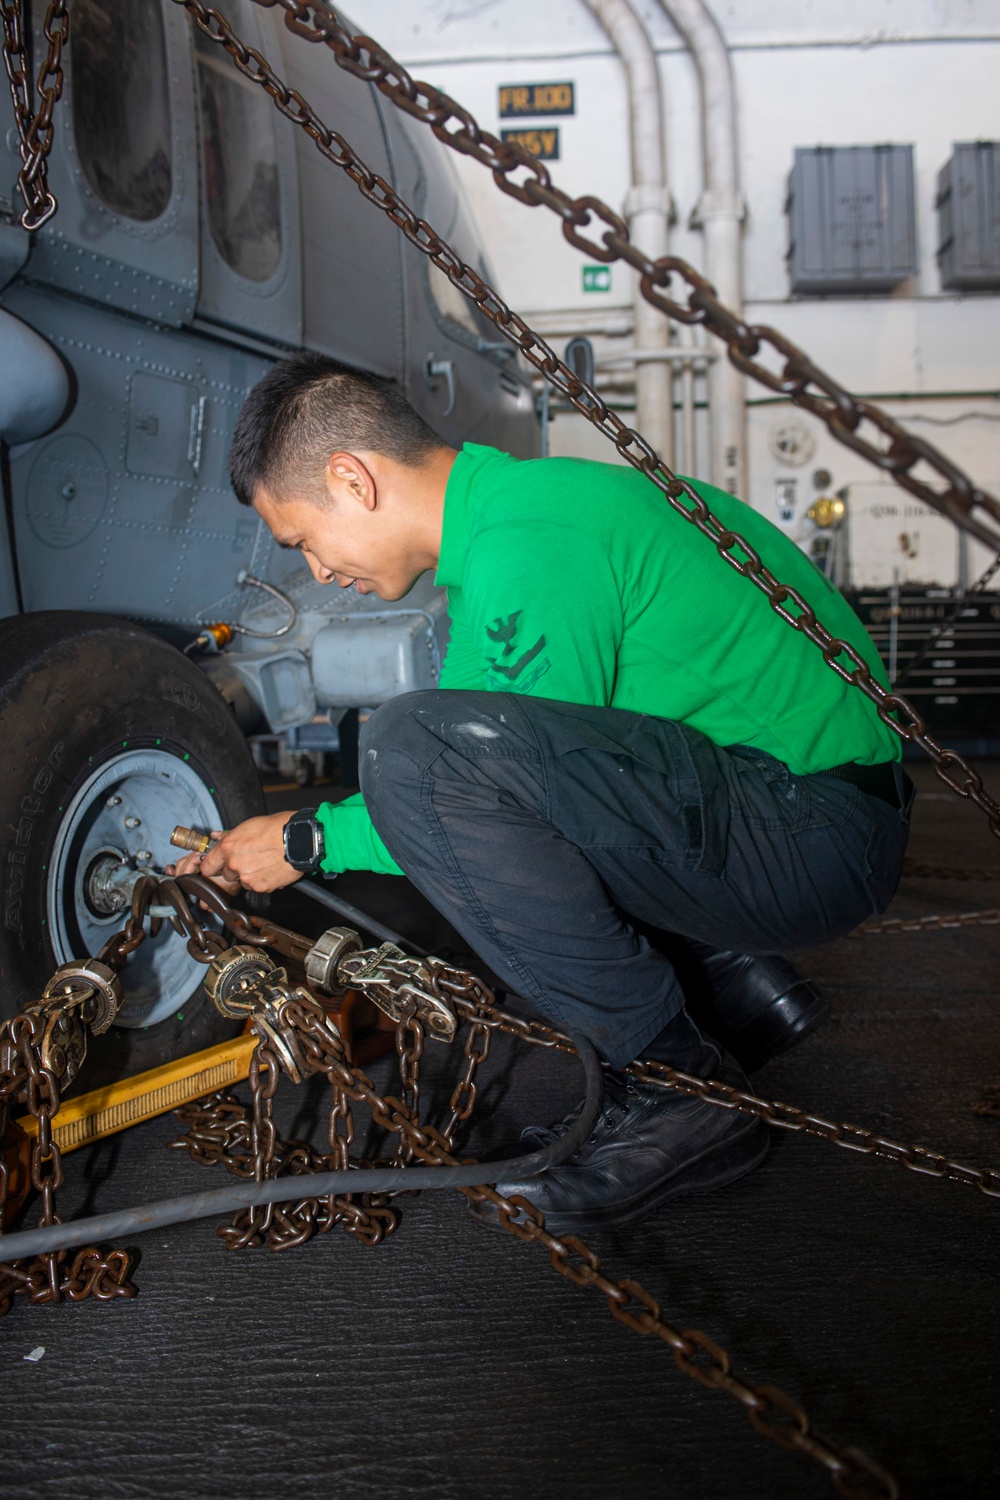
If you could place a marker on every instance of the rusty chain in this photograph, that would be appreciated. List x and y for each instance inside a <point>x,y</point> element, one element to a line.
<point>850,1137</point>
<point>895,711</point>
<point>939,921</point>
<point>771,1412</point>
<point>52,1277</point>
<point>410,1050</point>
<point>35,130</point>
<point>297,1035</point>
<point>912,1158</point>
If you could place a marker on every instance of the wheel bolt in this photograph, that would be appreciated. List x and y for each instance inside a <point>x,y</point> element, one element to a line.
<point>133,822</point>
<point>113,802</point>
<point>143,854</point>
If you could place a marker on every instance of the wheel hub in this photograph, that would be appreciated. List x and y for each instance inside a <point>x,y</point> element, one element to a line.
<point>108,883</point>
<point>115,829</point>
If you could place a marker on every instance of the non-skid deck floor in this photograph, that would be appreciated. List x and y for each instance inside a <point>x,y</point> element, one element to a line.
<point>453,1362</point>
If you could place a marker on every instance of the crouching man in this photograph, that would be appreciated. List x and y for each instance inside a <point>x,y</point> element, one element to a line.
<point>626,737</point>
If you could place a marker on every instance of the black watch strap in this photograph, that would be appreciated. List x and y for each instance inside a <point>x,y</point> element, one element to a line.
<point>305,842</point>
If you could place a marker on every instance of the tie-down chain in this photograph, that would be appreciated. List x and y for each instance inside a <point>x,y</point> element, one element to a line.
<point>284,1006</point>
<point>35,130</point>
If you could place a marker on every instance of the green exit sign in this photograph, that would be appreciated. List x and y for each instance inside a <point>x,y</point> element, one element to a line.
<point>597,278</point>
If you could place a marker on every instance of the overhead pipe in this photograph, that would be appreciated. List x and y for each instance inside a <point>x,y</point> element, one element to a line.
<point>648,212</point>
<point>720,213</point>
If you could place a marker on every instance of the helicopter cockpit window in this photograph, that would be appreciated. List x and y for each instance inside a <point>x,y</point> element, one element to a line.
<point>241,162</point>
<point>451,302</point>
<point>121,105</point>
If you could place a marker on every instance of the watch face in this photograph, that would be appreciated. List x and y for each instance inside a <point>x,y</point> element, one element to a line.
<point>300,843</point>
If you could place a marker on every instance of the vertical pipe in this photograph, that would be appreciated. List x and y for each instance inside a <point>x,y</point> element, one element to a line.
<point>720,214</point>
<point>647,211</point>
<point>690,458</point>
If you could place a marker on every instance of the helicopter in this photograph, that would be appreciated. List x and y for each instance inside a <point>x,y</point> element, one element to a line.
<point>199,238</point>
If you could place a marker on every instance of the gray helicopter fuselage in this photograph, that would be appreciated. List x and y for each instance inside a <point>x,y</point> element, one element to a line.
<point>200,236</point>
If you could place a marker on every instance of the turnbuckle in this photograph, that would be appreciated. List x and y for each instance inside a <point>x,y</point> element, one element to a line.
<point>91,985</point>
<point>392,980</point>
<point>80,996</point>
<point>244,983</point>
<point>397,983</point>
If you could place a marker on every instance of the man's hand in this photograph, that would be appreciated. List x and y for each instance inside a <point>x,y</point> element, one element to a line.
<point>251,855</point>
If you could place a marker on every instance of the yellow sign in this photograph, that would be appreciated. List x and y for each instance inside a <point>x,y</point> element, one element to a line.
<point>536,99</point>
<point>543,141</point>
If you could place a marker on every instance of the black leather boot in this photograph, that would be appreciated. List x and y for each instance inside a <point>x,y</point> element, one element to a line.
<point>649,1145</point>
<point>757,1007</point>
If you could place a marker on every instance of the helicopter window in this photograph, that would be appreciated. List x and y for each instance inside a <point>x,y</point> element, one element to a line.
<point>121,105</point>
<point>452,303</point>
<point>241,162</point>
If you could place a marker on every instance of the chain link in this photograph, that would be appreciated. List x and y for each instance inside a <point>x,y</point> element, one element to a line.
<point>47,1278</point>
<point>850,1137</point>
<point>35,130</point>
<point>466,1090</point>
<point>410,1050</point>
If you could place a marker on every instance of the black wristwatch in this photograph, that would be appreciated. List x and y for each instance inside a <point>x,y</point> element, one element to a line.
<point>305,843</point>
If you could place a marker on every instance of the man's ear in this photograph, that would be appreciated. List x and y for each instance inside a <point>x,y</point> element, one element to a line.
<point>347,478</point>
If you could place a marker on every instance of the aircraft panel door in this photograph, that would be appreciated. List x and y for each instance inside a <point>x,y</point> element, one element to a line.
<point>352,281</point>
<point>460,375</point>
<point>251,263</point>
<point>126,507</point>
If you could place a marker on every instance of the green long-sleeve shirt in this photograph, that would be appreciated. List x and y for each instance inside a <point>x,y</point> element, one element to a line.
<point>577,581</point>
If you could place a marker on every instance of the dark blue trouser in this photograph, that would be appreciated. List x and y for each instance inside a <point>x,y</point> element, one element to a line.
<point>540,828</point>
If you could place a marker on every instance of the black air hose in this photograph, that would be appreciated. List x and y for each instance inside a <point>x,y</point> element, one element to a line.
<point>314,1185</point>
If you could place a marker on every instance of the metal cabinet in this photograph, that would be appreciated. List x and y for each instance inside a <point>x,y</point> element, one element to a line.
<point>851,218</point>
<point>968,204</point>
<point>946,652</point>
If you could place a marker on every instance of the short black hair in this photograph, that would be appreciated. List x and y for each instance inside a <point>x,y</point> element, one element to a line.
<point>309,406</point>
